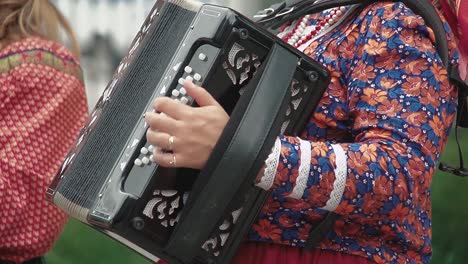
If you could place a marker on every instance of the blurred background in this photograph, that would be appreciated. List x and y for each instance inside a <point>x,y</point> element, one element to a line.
<point>105,29</point>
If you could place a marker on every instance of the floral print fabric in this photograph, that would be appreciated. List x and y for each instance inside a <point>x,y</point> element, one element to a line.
<point>389,107</point>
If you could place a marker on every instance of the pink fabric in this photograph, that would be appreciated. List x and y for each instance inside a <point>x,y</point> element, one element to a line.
<point>455,11</point>
<point>42,109</point>
<point>462,12</point>
<point>262,253</point>
<point>463,67</point>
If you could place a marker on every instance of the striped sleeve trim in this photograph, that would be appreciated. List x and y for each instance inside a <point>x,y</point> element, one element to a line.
<point>271,166</point>
<point>304,170</point>
<point>339,185</point>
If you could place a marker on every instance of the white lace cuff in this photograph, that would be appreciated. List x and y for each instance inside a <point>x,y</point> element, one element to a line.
<point>271,166</point>
<point>304,170</point>
<point>341,171</point>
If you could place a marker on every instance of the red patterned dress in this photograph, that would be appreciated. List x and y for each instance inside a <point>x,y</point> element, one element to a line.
<point>369,151</point>
<point>42,108</point>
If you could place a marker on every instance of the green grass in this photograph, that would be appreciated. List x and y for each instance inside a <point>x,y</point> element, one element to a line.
<point>80,244</point>
<point>450,209</point>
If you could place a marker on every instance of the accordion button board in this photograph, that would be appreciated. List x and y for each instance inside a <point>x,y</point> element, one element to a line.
<point>197,67</point>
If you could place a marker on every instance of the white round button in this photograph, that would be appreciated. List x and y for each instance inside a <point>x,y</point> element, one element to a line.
<point>138,162</point>
<point>145,160</point>
<point>181,81</point>
<point>184,100</point>
<point>175,93</point>
<point>188,69</point>
<point>202,57</point>
<point>144,151</point>
<point>150,148</point>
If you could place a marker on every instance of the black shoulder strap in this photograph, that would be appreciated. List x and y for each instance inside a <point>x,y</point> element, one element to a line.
<point>460,122</point>
<point>462,119</point>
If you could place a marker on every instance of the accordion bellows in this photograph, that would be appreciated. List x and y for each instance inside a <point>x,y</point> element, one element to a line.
<point>109,181</point>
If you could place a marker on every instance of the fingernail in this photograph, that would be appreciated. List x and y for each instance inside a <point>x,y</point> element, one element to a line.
<point>144,115</point>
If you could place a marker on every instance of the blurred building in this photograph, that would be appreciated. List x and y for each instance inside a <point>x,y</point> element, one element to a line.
<point>105,29</point>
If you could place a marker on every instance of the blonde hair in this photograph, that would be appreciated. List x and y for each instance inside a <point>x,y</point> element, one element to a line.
<point>25,18</point>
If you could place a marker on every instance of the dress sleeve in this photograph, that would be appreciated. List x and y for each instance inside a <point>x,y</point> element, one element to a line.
<point>400,106</point>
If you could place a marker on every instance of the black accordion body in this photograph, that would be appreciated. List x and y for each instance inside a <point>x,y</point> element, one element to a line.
<point>109,181</point>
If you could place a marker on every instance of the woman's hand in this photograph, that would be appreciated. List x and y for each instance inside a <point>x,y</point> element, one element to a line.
<point>185,136</point>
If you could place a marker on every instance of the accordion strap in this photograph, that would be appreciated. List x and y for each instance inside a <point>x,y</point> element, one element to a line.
<point>321,230</point>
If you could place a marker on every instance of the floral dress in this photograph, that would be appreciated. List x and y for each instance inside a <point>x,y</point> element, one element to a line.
<point>370,149</point>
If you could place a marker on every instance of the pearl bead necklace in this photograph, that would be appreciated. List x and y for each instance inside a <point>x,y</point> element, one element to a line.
<point>298,36</point>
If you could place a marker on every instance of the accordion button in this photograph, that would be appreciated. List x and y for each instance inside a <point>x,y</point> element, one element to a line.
<point>188,69</point>
<point>181,81</point>
<point>146,160</point>
<point>151,158</point>
<point>175,93</point>
<point>183,91</point>
<point>150,148</point>
<point>138,162</point>
<point>144,151</point>
<point>202,57</point>
<point>189,78</point>
<point>197,77</point>
<point>184,100</point>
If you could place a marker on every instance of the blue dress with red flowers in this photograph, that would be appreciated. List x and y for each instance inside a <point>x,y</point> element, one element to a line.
<point>371,147</point>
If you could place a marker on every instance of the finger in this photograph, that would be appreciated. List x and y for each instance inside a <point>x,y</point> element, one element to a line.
<point>161,140</point>
<point>168,160</point>
<point>161,123</point>
<point>171,107</point>
<point>200,95</point>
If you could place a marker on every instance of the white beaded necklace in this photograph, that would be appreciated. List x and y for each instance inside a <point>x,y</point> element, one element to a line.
<point>304,32</point>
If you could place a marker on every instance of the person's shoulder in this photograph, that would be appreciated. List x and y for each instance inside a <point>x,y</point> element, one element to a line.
<point>408,20</point>
<point>38,44</point>
<point>397,11</point>
<point>386,10</point>
<point>388,5</point>
<point>37,52</point>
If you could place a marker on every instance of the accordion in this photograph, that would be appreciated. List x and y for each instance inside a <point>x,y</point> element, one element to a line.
<point>109,181</point>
